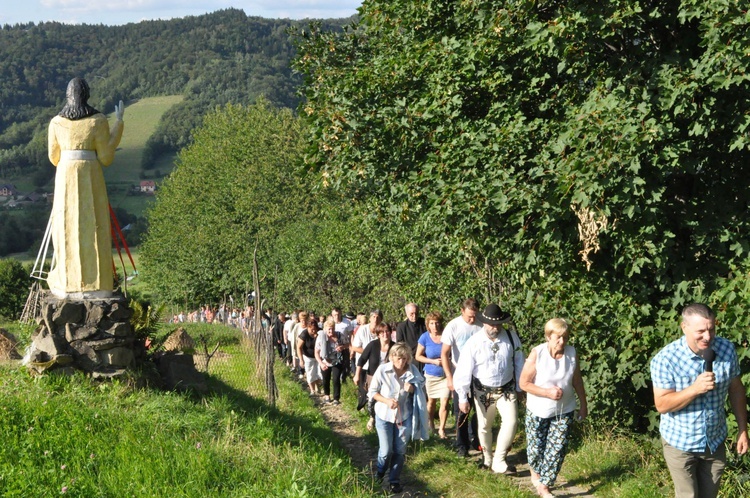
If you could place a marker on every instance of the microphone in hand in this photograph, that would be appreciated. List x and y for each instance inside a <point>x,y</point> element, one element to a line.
<point>708,356</point>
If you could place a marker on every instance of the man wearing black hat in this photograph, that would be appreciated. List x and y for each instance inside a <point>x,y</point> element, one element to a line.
<point>490,365</point>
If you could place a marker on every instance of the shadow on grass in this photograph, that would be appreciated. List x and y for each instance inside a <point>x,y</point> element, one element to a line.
<point>609,475</point>
<point>299,424</point>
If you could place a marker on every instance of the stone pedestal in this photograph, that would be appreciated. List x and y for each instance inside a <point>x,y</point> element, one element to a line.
<point>93,335</point>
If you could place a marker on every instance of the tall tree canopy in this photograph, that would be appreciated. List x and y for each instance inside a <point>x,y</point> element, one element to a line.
<point>224,195</point>
<point>584,159</point>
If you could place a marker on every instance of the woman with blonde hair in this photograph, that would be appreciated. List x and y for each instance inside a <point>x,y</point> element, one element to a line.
<point>329,352</point>
<point>397,388</point>
<point>552,378</point>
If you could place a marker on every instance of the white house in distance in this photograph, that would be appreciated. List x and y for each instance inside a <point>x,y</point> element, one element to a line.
<point>148,187</point>
<point>8,190</point>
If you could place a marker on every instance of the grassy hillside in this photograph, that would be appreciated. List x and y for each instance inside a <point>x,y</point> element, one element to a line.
<point>73,436</point>
<point>141,120</point>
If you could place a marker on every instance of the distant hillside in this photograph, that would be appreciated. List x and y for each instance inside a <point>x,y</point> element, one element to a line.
<point>213,59</point>
<point>141,120</point>
<point>170,73</point>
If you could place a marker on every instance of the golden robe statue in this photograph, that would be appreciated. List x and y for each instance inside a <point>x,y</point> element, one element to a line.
<point>80,143</point>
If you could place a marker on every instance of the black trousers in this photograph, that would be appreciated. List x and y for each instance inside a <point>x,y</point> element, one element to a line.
<point>335,372</point>
<point>467,435</point>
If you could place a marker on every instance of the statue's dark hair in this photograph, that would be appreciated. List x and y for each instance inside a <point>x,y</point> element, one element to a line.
<point>78,94</point>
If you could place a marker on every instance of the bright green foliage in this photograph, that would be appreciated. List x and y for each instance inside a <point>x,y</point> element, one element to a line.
<point>583,159</point>
<point>146,318</point>
<point>14,288</point>
<point>224,195</point>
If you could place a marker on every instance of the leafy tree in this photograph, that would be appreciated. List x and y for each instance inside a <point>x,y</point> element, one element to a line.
<point>14,287</point>
<point>567,158</point>
<point>233,185</point>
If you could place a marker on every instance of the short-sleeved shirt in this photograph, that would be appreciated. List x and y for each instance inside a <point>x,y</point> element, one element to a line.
<point>704,421</point>
<point>432,350</point>
<point>344,327</point>
<point>308,344</point>
<point>456,333</point>
<point>288,325</point>
<point>361,339</point>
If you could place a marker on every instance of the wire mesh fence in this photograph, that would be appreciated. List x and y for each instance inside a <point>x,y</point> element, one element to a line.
<point>241,359</point>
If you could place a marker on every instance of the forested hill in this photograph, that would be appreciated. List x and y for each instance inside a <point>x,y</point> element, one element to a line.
<point>212,59</point>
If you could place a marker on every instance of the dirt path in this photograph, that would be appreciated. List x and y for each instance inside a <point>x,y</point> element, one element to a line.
<point>363,455</point>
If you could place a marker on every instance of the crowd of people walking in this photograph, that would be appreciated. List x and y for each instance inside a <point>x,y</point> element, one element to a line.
<point>409,373</point>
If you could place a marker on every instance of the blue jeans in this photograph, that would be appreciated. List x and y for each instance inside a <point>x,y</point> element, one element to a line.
<point>393,439</point>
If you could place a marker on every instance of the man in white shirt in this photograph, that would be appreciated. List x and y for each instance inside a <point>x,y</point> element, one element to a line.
<point>455,335</point>
<point>489,368</point>
<point>342,324</point>
<point>365,335</point>
<point>288,337</point>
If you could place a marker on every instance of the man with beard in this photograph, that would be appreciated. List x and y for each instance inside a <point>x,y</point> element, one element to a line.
<point>490,367</point>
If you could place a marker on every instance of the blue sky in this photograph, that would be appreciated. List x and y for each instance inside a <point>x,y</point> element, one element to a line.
<point>115,12</point>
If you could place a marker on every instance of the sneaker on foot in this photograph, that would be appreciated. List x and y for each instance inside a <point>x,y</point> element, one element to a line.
<point>503,468</point>
<point>396,487</point>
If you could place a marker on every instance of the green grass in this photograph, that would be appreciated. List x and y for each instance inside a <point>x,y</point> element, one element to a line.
<point>141,119</point>
<point>615,464</point>
<point>113,440</point>
<point>71,435</point>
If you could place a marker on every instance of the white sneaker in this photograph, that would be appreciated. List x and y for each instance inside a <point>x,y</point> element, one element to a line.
<point>501,467</point>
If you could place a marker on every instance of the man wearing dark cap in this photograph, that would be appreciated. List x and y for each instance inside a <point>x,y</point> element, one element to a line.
<point>490,366</point>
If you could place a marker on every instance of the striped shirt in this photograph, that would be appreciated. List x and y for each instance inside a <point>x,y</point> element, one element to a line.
<point>704,421</point>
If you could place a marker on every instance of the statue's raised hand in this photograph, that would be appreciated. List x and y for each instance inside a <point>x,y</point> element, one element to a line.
<point>119,111</point>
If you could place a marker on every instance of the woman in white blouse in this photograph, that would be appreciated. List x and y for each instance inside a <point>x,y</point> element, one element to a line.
<point>552,378</point>
<point>393,389</point>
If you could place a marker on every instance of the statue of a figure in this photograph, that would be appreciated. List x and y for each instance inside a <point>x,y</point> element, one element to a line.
<point>80,143</point>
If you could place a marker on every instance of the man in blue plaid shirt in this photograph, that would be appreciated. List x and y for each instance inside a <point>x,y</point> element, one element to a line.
<point>689,392</point>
